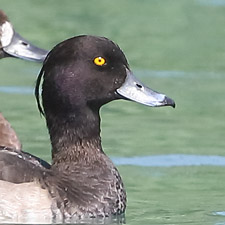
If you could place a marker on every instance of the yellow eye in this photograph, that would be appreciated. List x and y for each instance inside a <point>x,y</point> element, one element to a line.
<point>99,61</point>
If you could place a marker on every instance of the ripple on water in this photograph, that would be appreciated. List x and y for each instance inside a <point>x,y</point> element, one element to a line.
<point>16,90</point>
<point>139,72</point>
<point>171,160</point>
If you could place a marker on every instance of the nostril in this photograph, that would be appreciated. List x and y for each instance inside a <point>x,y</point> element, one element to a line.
<point>139,86</point>
<point>24,43</point>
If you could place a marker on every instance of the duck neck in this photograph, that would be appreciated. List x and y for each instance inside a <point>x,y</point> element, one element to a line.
<point>75,137</point>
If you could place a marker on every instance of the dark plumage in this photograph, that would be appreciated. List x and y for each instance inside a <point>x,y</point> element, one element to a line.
<point>79,76</point>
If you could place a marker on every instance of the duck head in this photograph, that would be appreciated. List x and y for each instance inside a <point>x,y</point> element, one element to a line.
<point>12,44</point>
<point>90,71</point>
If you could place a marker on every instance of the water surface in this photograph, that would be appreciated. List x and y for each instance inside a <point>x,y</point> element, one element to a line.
<point>171,160</point>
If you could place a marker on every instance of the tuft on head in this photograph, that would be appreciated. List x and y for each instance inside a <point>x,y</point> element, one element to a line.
<point>37,94</point>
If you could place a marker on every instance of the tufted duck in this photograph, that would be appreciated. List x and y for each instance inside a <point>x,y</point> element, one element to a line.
<point>79,76</point>
<point>13,45</point>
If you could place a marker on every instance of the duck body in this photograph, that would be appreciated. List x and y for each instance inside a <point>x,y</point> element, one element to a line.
<point>14,45</point>
<point>8,136</point>
<point>73,191</point>
<point>79,76</point>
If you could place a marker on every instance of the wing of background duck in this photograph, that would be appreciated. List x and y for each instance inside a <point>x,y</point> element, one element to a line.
<point>18,167</point>
<point>8,136</point>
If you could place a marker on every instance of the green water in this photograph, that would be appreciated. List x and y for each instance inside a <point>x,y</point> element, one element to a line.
<point>174,46</point>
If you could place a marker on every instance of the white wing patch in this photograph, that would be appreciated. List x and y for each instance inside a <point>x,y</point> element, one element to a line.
<point>24,203</point>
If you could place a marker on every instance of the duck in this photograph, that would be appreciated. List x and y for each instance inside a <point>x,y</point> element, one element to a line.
<point>78,77</point>
<point>14,45</point>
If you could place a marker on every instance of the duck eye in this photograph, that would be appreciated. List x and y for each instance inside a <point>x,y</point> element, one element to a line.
<point>99,61</point>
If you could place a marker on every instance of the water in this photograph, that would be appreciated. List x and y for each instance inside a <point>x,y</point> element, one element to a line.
<point>17,90</point>
<point>171,160</point>
<point>212,2</point>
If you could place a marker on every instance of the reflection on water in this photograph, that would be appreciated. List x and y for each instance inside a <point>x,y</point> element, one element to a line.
<point>212,2</point>
<point>171,160</point>
<point>37,219</point>
<point>222,213</point>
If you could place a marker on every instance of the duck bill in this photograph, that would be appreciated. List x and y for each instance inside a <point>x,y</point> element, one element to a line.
<point>21,48</point>
<point>134,90</point>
